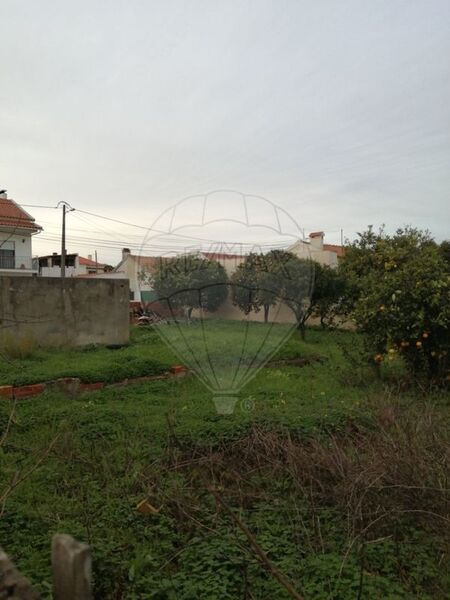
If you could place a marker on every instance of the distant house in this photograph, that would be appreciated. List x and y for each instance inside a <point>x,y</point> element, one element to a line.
<point>229,262</point>
<point>136,269</point>
<point>16,230</point>
<point>325,254</point>
<point>315,249</point>
<point>76,266</point>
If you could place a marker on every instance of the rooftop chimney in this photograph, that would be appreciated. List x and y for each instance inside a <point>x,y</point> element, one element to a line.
<point>3,194</point>
<point>125,252</point>
<point>316,238</point>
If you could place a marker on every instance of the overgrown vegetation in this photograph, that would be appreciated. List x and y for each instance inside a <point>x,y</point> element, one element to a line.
<point>91,364</point>
<point>343,484</point>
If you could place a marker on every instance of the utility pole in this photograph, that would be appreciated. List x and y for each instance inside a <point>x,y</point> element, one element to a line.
<point>63,242</point>
<point>66,208</point>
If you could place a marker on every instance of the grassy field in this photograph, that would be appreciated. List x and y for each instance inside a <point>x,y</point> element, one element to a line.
<point>341,477</point>
<point>217,341</point>
<point>91,364</point>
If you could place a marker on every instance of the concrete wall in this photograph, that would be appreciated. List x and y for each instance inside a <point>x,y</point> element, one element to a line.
<point>56,271</point>
<point>280,313</point>
<point>65,312</point>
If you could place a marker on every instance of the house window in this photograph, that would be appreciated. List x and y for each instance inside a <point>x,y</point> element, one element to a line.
<point>7,255</point>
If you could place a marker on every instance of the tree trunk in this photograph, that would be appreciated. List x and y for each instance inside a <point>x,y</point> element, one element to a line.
<point>302,330</point>
<point>187,314</point>
<point>266,313</point>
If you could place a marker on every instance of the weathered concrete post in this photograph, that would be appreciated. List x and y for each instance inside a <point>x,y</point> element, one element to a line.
<point>71,564</point>
<point>12,583</point>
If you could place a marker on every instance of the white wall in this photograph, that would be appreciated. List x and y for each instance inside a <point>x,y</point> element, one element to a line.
<point>22,247</point>
<point>56,271</point>
<point>108,275</point>
<point>309,251</point>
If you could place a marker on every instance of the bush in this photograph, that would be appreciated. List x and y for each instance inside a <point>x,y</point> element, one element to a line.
<point>398,292</point>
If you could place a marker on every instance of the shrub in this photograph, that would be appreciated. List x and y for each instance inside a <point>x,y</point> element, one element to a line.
<point>398,292</point>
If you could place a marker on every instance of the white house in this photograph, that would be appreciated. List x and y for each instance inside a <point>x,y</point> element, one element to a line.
<point>315,249</point>
<point>16,230</point>
<point>136,268</point>
<point>76,266</point>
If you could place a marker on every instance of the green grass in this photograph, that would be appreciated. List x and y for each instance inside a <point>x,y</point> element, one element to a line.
<point>119,445</point>
<point>147,355</point>
<point>91,364</point>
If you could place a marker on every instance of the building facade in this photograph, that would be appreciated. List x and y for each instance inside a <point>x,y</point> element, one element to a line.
<point>76,266</point>
<point>315,249</point>
<point>137,269</point>
<point>17,228</point>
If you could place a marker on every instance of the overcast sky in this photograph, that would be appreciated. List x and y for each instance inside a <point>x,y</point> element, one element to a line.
<point>339,111</point>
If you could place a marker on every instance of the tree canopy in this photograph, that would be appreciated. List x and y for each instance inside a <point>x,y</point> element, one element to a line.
<point>398,295</point>
<point>256,283</point>
<point>190,282</point>
<point>263,280</point>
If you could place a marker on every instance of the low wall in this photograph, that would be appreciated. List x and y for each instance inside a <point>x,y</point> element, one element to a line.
<point>67,311</point>
<point>280,313</point>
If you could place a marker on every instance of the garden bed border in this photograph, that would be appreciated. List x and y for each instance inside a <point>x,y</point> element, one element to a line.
<point>73,386</point>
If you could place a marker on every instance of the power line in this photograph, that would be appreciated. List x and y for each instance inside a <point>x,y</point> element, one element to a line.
<point>117,244</point>
<point>37,206</point>
<point>180,235</point>
<point>148,248</point>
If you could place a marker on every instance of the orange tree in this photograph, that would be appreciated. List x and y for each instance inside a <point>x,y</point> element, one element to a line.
<point>398,295</point>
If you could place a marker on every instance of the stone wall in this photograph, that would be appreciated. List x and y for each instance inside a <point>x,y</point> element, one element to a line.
<point>71,311</point>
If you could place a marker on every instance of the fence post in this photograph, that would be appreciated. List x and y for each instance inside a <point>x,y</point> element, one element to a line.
<point>71,564</point>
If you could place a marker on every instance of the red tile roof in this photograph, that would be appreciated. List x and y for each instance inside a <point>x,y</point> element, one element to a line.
<point>150,262</point>
<point>14,217</point>
<point>87,262</point>
<point>340,250</point>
